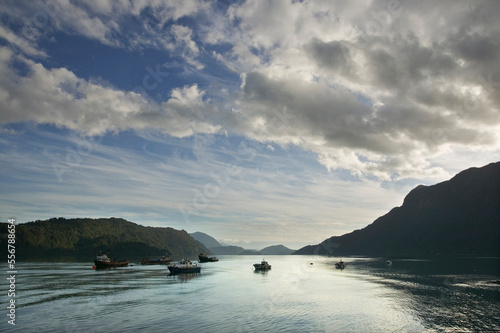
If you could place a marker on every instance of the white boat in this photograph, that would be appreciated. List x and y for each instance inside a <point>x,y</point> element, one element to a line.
<point>262,266</point>
<point>184,266</point>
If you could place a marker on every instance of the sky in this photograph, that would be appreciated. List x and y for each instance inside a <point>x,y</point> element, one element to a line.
<point>256,122</point>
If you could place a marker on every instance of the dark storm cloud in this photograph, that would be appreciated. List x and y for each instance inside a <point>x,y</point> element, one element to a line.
<point>334,56</point>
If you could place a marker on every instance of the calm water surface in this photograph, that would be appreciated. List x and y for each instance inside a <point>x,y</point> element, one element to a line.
<point>299,294</point>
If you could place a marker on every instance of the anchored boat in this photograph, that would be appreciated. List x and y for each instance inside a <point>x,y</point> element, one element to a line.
<point>162,261</point>
<point>340,264</point>
<point>202,257</point>
<point>103,261</point>
<point>264,265</point>
<point>184,266</point>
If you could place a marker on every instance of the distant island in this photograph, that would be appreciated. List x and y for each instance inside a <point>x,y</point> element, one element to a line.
<point>460,216</point>
<point>84,237</point>
<point>213,245</point>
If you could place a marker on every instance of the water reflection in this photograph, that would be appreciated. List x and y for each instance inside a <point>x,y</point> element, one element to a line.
<point>445,294</point>
<point>184,277</point>
<point>367,296</point>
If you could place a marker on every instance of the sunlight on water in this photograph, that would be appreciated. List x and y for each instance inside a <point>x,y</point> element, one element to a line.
<point>298,294</point>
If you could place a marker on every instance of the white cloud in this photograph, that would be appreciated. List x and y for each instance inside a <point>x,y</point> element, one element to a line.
<point>78,20</point>
<point>21,43</point>
<point>107,22</point>
<point>57,96</point>
<point>383,94</point>
<point>186,47</point>
<point>380,88</point>
<point>96,178</point>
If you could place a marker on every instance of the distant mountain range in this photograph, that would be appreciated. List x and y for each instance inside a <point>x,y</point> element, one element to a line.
<point>276,250</point>
<point>213,245</point>
<point>460,216</point>
<point>60,237</point>
<point>228,249</point>
<point>205,239</point>
<point>456,217</point>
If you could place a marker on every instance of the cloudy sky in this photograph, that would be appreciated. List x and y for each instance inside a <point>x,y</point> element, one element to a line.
<point>257,122</point>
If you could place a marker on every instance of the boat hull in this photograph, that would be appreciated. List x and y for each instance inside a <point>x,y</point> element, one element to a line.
<point>207,259</point>
<point>182,270</point>
<point>102,264</point>
<point>260,267</point>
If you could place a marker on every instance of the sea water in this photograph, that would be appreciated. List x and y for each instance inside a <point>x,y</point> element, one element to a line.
<point>299,294</point>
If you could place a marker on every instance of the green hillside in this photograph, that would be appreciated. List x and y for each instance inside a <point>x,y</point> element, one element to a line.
<point>83,237</point>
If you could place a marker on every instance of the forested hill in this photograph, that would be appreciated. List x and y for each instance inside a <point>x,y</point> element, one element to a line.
<point>84,237</point>
<point>460,216</point>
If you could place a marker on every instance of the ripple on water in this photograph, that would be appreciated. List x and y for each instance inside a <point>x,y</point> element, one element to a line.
<point>229,297</point>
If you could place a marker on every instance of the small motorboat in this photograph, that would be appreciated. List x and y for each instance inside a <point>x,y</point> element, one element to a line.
<point>162,261</point>
<point>262,266</point>
<point>103,261</point>
<point>183,267</point>
<point>340,264</point>
<point>202,257</point>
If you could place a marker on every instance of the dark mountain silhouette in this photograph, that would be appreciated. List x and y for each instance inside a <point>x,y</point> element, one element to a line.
<point>205,239</point>
<point>460,216</point>
<point>276,250</point>
<point>60,237</point>
<point>229,249</point>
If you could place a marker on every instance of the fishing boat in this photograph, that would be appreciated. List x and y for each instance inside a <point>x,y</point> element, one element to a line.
<point>103,261</point>
<point>184,266</point>
<point>164,260</point>
<point>340,264</point>
<point>264,265</point>
<point>202,257</point>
